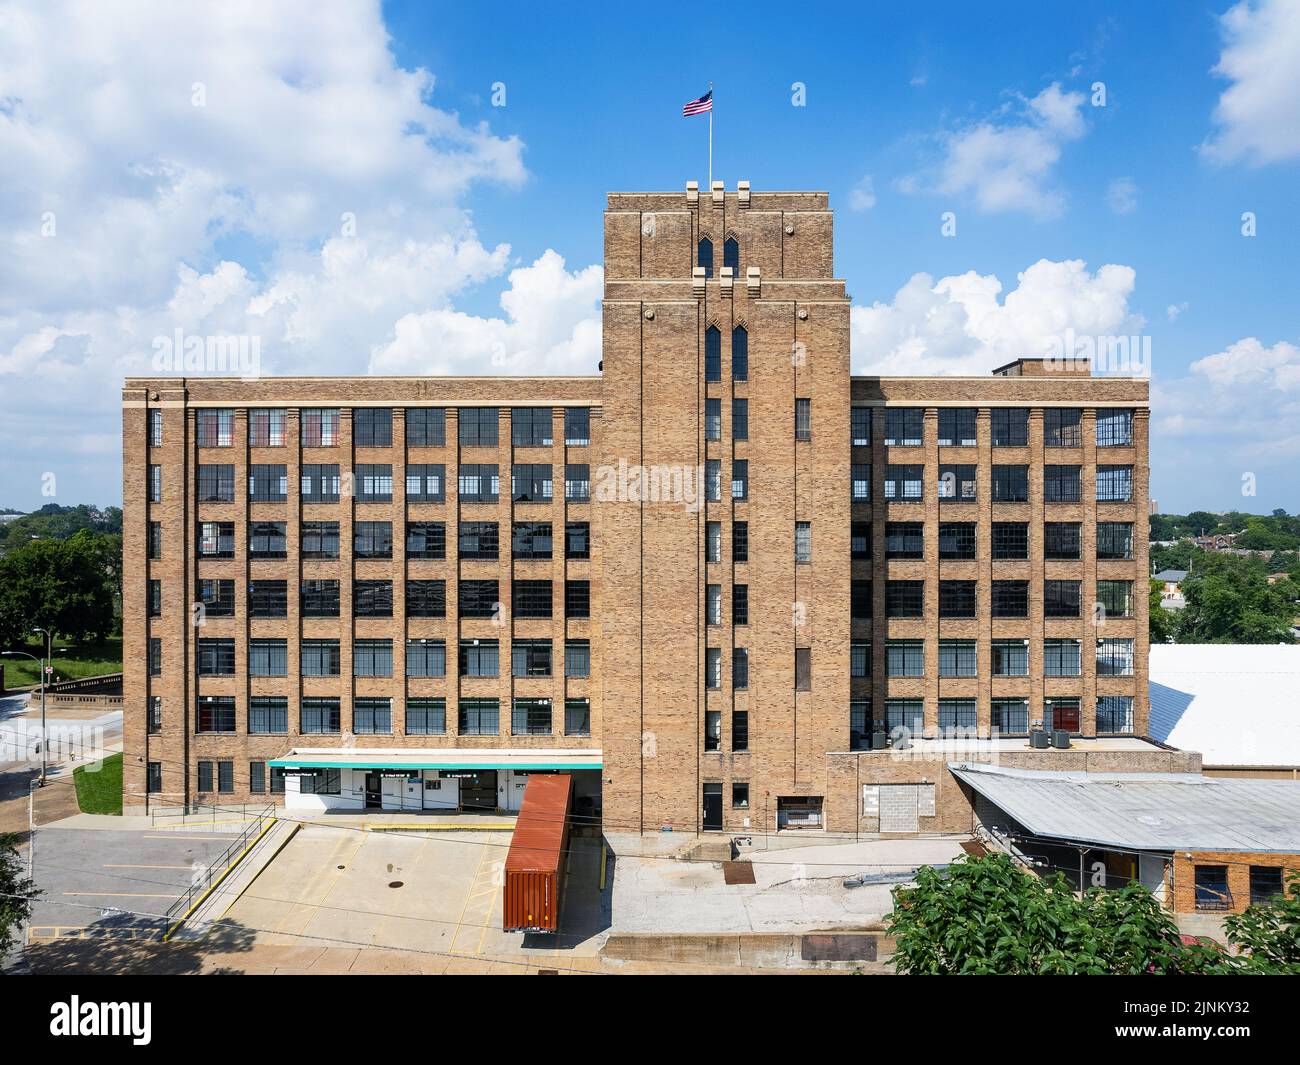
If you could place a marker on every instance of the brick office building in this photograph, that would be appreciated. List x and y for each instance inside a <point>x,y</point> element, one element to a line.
<point>722,580</point>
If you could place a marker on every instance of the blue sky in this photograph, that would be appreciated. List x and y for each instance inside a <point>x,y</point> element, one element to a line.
<point>479,233</point>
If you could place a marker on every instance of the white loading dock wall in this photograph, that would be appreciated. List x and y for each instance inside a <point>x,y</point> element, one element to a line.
<point>400,793</point>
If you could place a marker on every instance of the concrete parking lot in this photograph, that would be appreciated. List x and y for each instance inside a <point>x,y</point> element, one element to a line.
<point>115,883</point>
<point>438,892</point>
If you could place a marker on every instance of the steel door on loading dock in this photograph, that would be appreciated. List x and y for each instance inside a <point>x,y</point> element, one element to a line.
<point>898,808</point>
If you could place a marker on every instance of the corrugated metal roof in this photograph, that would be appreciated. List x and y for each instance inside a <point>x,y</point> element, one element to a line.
<point>1145,811</point>
<point>1238,704</point>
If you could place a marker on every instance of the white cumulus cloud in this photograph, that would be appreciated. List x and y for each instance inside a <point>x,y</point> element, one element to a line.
<point>1236,412</point>
<point>246,168</point>
<point>1257,119</point>
<point>1007,163</point>
<point>551,325</point>
<point>960,325</point>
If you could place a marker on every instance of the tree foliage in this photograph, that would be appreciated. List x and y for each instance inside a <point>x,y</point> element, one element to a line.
<point>66,586</point>
<point>54,522</point>
<point>1163,623</point>
<point>989,916</point>
<point>1269,935</point>
<point>16,894</point>
<point>1230,600</point>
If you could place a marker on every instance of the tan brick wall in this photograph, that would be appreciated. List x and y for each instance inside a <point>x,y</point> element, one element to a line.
<point>1238,866</point>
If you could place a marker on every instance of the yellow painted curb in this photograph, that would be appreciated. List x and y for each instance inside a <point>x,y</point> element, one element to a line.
<point>507,826</point>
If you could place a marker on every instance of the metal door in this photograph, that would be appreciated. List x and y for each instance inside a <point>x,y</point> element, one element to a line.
<point>712,807</point>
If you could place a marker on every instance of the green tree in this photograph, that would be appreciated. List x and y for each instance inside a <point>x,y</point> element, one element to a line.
<point>1162,623</point>
<point>1229,600</point>
<point>988,916</point>
<point>66,586</point>
<point>16,894</point>
<point>54,522</point>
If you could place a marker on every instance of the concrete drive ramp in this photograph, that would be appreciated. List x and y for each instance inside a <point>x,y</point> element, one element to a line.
<point>245,868</point>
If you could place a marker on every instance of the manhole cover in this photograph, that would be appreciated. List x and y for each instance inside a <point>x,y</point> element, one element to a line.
<point>340,867</point>
<point>394,883</point>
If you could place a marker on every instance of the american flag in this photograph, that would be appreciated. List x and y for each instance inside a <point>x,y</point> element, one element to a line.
<point>698,107</point>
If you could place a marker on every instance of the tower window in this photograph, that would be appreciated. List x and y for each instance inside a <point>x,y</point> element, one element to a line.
<point>705,256</point>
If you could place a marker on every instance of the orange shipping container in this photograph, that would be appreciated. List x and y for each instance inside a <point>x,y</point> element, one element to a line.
<point>538,854</point>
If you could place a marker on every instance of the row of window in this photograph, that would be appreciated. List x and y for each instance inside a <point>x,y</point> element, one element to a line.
<point>1008,426</point>
<point>1008,658</point>
<point>1062,540</point>
<point>905,718</point>
<point>1007,599</point>
<point>1009,484</point>
<point>533,426</point>
<point>374,598</point>
<point>373,483</point>
<point>534,599</point>
<point>269,715</point>
<point>534,483</point>
<point>904,426</point>
<point>373,427</point>
<point>425,540</point>
<point>269,657</point>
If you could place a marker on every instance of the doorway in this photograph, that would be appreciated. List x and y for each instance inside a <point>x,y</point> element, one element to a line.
<point>374,791</point>
<point>478,791</point>
<point>712,807</point>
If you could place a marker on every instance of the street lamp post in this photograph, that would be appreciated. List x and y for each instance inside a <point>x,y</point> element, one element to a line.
<point>44,663</point>
<point>46,668</point>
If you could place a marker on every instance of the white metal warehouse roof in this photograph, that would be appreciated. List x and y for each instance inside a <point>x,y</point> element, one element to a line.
<point>1238,704</point>
<point>1145,811</point>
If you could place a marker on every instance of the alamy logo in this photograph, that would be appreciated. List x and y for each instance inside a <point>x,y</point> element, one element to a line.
<point>103,1018</point>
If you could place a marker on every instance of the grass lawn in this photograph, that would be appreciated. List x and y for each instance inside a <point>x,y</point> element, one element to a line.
<point>100,792</point>
<point>79,660</point>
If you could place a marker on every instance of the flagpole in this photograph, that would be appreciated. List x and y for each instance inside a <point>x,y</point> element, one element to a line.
<point>711,100</point>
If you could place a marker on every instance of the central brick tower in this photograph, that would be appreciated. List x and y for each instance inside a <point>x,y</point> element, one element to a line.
<point>725,653</point>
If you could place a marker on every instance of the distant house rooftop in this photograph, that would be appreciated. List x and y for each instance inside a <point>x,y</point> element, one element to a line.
<point>1171,576</point>
<point>1238,704</point>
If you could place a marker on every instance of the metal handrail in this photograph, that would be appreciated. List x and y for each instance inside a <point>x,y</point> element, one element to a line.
<point>207,814</point>
<point>217,868</point>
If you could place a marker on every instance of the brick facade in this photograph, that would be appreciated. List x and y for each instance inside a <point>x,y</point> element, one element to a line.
<point>651,576</point>
<point>1238,868</point>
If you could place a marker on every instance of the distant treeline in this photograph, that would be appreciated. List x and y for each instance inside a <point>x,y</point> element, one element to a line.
<point>53,522</point>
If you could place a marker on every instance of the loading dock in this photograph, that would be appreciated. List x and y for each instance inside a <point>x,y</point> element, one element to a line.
<point>442,779</point>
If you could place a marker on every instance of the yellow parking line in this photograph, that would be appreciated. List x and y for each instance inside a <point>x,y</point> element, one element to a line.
<point>487,917</point>
<point>468,895</point>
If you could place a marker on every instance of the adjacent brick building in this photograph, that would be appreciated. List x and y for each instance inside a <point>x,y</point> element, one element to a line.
<point>735,586</point>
